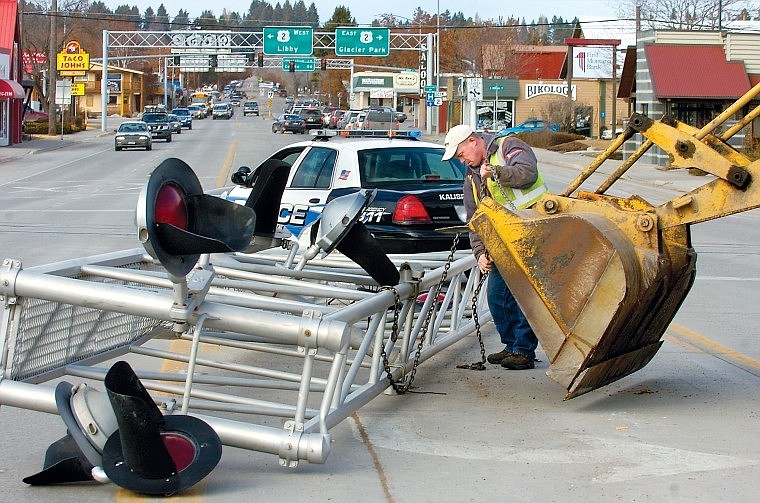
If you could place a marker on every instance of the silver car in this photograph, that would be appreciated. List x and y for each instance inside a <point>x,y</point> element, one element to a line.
<point>133,134</point>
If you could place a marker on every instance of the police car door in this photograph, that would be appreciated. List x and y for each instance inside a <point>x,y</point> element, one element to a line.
<point>307,190</point>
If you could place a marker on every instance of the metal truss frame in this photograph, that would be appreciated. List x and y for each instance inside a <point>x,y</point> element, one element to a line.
<point>208,42</point>
<point>255,337</point>
<point>235,40</point>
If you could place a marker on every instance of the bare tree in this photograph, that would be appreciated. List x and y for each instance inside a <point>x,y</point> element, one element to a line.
<point>686,14</point>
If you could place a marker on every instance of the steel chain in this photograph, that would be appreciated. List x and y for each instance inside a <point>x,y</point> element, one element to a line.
<point>481,365</point>
<point>399,387</point>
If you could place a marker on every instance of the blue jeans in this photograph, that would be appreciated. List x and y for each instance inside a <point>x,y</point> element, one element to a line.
<point>513,327</point>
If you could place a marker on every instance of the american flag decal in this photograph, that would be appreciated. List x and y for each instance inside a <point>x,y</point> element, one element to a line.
<point>344,174</point>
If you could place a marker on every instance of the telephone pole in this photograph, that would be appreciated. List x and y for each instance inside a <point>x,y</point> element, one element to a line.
<point>52,61</point>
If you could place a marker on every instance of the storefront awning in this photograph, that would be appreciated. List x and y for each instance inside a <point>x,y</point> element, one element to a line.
<point>695,71</point>
<point>11,89</point>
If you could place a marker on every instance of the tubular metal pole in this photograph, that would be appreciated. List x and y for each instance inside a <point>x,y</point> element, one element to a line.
<point>104,85</point>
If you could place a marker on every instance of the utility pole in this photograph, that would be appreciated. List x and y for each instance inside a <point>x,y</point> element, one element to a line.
<point>52,75</point>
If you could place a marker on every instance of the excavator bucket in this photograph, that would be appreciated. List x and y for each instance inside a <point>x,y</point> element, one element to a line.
<point>601,277</point>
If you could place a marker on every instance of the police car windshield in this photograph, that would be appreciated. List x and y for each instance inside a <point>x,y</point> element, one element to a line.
<point>378,167</point>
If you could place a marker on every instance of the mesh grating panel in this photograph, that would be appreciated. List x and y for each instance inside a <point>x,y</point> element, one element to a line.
<point>52,335</point>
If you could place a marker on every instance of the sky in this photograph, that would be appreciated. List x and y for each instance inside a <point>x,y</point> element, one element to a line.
<point>364,11</point>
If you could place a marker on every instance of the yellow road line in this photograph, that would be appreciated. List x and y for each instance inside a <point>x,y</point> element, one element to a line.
<point>224,174</point>
<point>710,346</point>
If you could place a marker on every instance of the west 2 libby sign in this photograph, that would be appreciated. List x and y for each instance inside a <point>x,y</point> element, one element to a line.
<point>533,90</point>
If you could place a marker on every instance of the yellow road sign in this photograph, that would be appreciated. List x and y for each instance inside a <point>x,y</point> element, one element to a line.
<point>77,89</point>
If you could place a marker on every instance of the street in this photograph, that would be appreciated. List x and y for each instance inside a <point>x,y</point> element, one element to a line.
<point>684,428</point>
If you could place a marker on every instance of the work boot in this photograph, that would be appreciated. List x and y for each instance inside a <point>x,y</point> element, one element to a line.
<point>515,361</point>
<point>498,357</point>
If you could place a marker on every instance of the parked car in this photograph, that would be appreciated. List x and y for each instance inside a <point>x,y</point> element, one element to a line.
<point>133,134</point>
<point>326,114</point>
<point>350,114</point>
<point>31,115</point>
<point>222,111</point>
<point>529,125</point>
<point>335,118</point>
<point>176,125</point>
<point>185,119</point>
<point>159,125</point>
<point>312,117</point>
<point>251,108</point>
<point>356,122</point>
<point>289,122</point>
<point>380,120</point>
<point>417,192</point>
<point>197,110</point>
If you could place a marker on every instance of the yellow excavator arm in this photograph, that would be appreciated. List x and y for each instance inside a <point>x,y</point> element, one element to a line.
<point>601,277</point>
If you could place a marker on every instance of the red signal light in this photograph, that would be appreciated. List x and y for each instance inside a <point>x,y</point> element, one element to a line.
<point>410,209</point>
<point>171,207</point>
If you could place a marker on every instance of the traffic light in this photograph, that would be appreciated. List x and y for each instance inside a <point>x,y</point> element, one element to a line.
<point>176,221</point>
<point>260,59</point>
<point>292,66</point>
<point>323,64</point>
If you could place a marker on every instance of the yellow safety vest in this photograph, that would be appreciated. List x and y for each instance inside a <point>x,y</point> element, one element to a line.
<point>520,198</point>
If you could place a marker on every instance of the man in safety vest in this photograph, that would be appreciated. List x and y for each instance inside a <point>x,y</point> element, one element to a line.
<point>512,163</point>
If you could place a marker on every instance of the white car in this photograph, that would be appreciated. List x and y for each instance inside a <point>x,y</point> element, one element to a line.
<point>417,192</point>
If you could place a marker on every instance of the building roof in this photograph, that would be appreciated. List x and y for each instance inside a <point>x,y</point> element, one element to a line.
<point>540,62</point>
<point>7,25</point>
<point>695,71</point>
<point>530,62</point>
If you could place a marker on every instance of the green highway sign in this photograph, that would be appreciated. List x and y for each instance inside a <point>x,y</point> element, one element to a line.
<point>362,41</point>
<point>302,64</point>
<point>288,41</point>
<point>495,88</point>
<point>429,89</point>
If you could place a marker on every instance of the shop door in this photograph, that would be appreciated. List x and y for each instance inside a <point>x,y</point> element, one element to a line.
<point>4,123</point>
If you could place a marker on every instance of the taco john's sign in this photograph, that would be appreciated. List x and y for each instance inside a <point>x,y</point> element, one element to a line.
<point>72,60</point>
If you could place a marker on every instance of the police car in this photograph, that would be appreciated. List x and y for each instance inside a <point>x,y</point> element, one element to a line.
<point>417,192</point>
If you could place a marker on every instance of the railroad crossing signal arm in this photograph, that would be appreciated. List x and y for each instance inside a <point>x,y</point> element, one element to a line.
<point>601,277</point>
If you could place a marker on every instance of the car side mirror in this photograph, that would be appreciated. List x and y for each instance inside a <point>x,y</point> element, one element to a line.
<point>244,176</point>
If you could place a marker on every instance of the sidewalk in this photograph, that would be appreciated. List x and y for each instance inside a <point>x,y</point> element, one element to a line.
<point>680,180</point>
<point>46,143</point>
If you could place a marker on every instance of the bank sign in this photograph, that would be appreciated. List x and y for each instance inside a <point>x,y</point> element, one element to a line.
<point>592,63</point>
<point>533,90</point>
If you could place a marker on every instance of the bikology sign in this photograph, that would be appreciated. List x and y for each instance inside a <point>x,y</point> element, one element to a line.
<point>533,90</point>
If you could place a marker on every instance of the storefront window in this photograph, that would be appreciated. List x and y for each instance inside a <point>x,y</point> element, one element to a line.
<point>503,112</point>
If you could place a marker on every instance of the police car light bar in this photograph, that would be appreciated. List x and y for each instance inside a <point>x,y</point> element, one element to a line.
<point>326,134</point>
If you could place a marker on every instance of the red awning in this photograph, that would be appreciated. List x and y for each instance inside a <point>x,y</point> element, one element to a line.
<point>695,71</point>
<point>11,89</point>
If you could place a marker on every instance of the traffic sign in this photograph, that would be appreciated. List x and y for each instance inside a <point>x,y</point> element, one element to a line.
<point>362,41</point>
<point>289,40</point>
<point>301,64</point>
<point>430,89</point>
<point>62,92</point>
<point>495,88</point>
